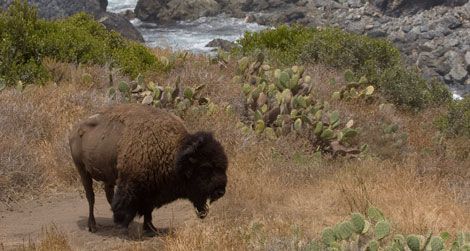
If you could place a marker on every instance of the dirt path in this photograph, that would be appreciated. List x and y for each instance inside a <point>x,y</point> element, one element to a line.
<point>69,213</point>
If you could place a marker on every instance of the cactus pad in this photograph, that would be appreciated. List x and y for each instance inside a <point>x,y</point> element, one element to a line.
<point>413,242</point>
<point>358,222</point>
<point>437,243</point>
<point>375,214</point>
<point>328,236</point>
<point>382,229</point>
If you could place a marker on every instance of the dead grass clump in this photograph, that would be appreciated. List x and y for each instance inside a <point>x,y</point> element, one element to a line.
<point>51,239</point>
<point>34,129</point>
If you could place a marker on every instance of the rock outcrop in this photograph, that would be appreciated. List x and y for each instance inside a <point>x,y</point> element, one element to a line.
<point>57,9</point>
<point>164,11</point>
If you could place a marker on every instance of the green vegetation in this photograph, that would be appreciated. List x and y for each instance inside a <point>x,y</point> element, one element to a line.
<point>378,60</point>
<point>280,101</point>
<point>172,97</point>
<point>456,123</point>
<point>374,233</point>
<point>27,40</point>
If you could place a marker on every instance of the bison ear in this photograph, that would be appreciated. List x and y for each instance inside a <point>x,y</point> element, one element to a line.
<point>187,157</point>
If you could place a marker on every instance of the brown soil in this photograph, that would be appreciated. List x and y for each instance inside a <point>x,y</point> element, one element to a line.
<point>25,223</point>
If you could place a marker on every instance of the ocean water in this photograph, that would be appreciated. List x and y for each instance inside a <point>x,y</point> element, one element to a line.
<point>192,36</point>
<point>121,5</point>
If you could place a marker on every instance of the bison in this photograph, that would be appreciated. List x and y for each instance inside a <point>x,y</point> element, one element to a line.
<point>151,159</point>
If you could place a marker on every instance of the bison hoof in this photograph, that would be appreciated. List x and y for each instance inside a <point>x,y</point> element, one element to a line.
<point>149,233</point>
<point>92,229</point>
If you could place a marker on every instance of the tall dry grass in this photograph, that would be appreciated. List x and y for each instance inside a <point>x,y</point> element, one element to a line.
<point>280,195</point>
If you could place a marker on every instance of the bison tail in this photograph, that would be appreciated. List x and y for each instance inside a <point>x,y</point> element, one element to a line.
<point>124,207</point>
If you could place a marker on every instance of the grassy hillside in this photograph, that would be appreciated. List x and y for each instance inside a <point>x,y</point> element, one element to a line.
<point>283,190</point>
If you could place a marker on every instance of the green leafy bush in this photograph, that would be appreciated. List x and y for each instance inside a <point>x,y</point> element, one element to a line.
<point>20,53</point>
<point>283,44</point>
<point>336,48</point>
<point>376,59</point>
<point>457,121</point>
<point>79,39</point>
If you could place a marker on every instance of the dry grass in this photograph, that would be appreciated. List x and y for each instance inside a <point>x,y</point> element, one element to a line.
<point>280,195</point>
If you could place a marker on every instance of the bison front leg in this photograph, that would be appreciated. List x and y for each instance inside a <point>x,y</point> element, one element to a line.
<point>149,229</point>
<point>109,190</point>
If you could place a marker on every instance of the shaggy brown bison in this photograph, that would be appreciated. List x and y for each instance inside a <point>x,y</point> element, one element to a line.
<point>152,160</point>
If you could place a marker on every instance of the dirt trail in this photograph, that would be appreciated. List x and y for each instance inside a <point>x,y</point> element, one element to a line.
<point>69,213</point>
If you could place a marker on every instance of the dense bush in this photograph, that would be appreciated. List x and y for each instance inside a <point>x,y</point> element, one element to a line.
<point>283,45</point>
<point>457,121</point>
<point>376,59</point>
<point>20,54</point>
<point>79,39</point>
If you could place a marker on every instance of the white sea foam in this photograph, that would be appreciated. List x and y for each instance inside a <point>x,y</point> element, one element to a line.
<point>121,5</point>
<point>185,35</point>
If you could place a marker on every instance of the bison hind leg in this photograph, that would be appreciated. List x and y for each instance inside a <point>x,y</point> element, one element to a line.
<point>124,206</point>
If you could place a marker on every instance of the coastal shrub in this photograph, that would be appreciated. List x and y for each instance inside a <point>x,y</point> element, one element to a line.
<point>20,54</point>
<point>376,59</point>
<point>283,45</point>
<point>339,49</point>
<point>456,122</point>
<point>27,40</point>
<point>80,39</point>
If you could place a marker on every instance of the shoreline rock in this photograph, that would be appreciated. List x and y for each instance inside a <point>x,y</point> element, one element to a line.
<point>222,44</point>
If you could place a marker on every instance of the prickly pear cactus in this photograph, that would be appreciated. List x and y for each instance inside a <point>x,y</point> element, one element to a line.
<point>283,100</point>
<point>362,90</point>
<point>359,234</point>
<point>170,96</point>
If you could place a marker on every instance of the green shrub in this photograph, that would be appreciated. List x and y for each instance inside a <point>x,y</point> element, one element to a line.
<point>283,44</point>
<point>78,39</point>
<point>404,87</point>
<point>376,59</point>
<point>20,54</point>
<point>135,58</point>
<point>457,121</point>
<point>340,49</point>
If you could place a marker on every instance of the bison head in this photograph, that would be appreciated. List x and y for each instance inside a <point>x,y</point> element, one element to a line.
<point>202,163</point>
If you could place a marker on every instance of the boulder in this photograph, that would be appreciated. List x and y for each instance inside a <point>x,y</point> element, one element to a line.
<point>457,74</point>
<point>120,24</point>
<point>467,60</point>
<point>222,44</point>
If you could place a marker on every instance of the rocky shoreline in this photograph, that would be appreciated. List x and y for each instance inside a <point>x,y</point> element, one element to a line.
<point>434,35</point>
